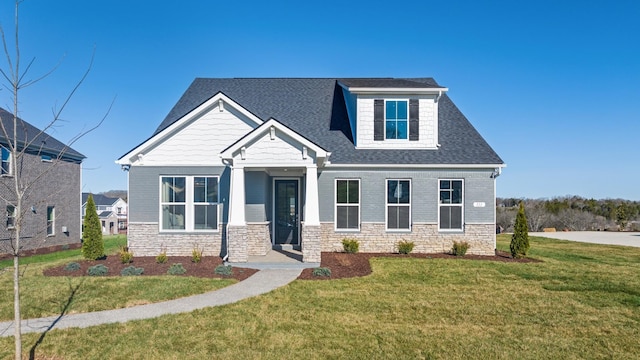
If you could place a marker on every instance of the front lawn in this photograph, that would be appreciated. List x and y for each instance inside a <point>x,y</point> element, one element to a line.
<point>582,301</point>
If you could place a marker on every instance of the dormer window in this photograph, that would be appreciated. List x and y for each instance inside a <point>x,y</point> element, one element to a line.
<point>396,119</point>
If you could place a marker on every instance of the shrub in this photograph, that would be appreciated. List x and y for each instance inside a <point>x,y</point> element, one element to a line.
<point>321,271</point>
<point>126,256</point>
<point>196,255</point>
<point>224,270</point>
<point>65,247</point>
<point>405,247</point>
<point>162,257</point>
<point>92,244</point>
<point>350,246</point>
<point>131,271</point>
<point>98,270</point>
<point>520,239</point>
<point>176,269</point>
<point>73,266</point>
<point>460,248</point>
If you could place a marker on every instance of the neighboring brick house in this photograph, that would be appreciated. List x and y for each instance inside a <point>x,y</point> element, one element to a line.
<point>51,207</point>
<point>241,166</point>
<point>112,213</point>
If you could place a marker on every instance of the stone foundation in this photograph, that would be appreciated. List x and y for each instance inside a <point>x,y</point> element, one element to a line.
<point>311,244</point>
<point>144,239</point>
<point>238,244</point>
<point>374,238</point>
<point>259,238</point>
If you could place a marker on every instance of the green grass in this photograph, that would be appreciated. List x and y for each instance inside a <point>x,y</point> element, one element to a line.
<point>582,301</point>
<point>47,296</point>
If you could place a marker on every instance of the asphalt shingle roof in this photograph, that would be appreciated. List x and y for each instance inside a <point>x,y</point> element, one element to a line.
<point>40,142</point>
<point>315,108</point>
<point>99,199</point>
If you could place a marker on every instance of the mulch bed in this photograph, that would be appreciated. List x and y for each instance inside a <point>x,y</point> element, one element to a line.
<point>44,250</point>
<point>343,265</point>
<point>205,268</point>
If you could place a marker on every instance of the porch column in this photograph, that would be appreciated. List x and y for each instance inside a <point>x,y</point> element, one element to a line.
<point>311,226</point>
<point>237,227</point>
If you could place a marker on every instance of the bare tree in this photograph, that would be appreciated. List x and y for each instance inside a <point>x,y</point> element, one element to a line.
<point>18,143</point>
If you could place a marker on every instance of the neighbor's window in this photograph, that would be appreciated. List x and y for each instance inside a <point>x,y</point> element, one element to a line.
<point>51,220</point>
<point>189,203</point>
<point>347,204</point>
<point>398,204</point>
<point>11,216</point>
<point>396,119</point>
<point>205,202</point>
<point>173,203</point>
<point>6,161</point>
<point>451,205</point>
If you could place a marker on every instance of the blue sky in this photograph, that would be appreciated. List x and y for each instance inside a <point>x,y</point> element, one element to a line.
<point>553,86</point>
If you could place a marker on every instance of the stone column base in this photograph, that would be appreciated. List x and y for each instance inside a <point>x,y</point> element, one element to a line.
<point>311,247</point>
<point>238,247</point>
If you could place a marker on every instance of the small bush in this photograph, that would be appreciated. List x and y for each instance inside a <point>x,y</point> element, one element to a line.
<point>65,247</point>
<point>196,255</point>
<point>405,247</point>
<point>350,246</point>
<point>162,257</point>
<point>98,270</point>
<point>460,248</point>
<point>224,270</point>
<point>176,269</point>
<point>131,271</point>
<point>74,266</point>
<point>519,245</point>
<point>321,271</point>
<point>126,256</point>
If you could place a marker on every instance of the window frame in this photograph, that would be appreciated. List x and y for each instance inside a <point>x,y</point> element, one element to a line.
<point>347,204</point>
<point>387,205</point>
<point>189,205</point>
<point>460,204</point>
<point>406,120</point>
<point>51,220</point>
<point>8,170</point>
<point>11,216</point>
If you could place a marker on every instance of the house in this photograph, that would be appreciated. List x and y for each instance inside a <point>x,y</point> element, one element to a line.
<point>51,206</point>
<point>240,166</point>
<point>112,213</point>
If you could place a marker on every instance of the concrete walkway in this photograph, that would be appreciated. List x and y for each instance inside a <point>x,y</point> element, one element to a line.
<point>261,282</point>
<point>595,237</point>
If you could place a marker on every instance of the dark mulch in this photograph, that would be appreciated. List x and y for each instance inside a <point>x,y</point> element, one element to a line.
<point>205,268</point>
<point>343,265</point>
<point>44,250</point>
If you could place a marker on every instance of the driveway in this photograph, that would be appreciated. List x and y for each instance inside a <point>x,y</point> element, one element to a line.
<point>595,237</point>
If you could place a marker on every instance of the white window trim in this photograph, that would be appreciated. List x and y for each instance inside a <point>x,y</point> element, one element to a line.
<point>53,220</point>
<point>335,208</point>
<point>386,207</point>
<point>400,141</point>
<point>189,206</point>
<point>440,205</point>
<point>13,216</point>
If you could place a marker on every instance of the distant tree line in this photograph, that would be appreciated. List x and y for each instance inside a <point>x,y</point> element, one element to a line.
<point>571,213</point>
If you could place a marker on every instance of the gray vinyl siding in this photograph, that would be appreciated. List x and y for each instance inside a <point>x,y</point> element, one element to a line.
<point>144,188</point>
<point>478,187</point>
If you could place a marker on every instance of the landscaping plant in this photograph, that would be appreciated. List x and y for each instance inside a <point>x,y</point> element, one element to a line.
<point>405,247</point>
<point>350,246</point>
<point>520,238</point>
<point>92,245</point>
<point>460,248</point>
<point>126,256</point>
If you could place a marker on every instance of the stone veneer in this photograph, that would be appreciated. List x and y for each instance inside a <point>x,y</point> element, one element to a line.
<point>311,244</point>
<point>374,238</point>
<point>259,238</point>
<point>238,244</point>
<point>144,240</point>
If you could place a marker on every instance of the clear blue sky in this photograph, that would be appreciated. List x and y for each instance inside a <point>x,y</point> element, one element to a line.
<point>553,86</point>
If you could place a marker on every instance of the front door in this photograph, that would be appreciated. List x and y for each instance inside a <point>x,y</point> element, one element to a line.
<point>286,212</point>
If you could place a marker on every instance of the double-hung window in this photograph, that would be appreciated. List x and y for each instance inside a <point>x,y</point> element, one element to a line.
<point>347,204</point>
<point>398,204</point>
<point>11,216</point>
<point>189,203</point>
<point>5,166</point>
<point>51,220</point>
<point>396,119</point>
<point>451,205</point>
